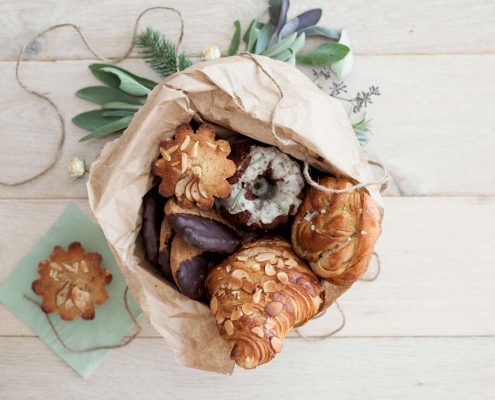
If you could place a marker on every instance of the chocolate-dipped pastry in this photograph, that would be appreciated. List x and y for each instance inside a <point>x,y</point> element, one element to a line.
<point>152,218</point>
<point>205,230</point>
<point>166,235</point>
<point>190,267</point>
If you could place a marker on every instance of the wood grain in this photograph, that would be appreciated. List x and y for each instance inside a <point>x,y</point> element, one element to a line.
<point>375,27</point>
<point>437,276</point>
<point>372,369</point>
<point>432,130</point>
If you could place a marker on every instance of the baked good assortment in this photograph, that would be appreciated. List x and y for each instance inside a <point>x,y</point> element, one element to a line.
<point>72,282</point>
<point>218,236</point>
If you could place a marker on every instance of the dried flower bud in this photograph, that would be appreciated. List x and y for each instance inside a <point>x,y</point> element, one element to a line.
<point>77,167</point>
<point>211,52</point>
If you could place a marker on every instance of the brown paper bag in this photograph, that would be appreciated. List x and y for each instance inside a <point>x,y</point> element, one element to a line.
<point>234,93</point>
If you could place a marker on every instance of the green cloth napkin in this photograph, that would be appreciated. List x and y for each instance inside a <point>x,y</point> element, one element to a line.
<point>112,321</point>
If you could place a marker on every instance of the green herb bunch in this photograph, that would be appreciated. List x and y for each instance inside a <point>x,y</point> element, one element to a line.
<point>283,39</point>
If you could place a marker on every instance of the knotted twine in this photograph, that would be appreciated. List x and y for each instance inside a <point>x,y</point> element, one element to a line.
<point>382,181</point>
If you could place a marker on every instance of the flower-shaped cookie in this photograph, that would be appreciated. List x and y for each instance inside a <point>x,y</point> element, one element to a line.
<point>194,167</point>
<point>72,282</point>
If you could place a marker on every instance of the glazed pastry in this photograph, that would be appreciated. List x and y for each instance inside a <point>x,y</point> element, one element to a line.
<point>189,266</point>
<point>258,295</point>
<point>266,188</point>
<point>204,229</point>
<point>72,282</point>
<point>194,167</point>
<point>336,233</point>
<point>166,235</point>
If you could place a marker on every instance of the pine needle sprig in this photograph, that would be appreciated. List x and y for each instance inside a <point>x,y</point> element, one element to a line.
<point>160,53</point>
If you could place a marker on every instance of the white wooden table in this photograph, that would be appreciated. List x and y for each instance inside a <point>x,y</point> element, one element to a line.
<point>424,330</point>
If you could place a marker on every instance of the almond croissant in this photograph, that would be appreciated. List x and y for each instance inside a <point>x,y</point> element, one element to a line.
<point>336,233</point>
<point>258,295</point>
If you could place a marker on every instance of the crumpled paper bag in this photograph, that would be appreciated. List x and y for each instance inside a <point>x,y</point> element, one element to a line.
<point>234,93</point>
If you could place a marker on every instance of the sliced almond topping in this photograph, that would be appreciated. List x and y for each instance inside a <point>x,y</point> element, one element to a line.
<point>69,268</point>
<point>175,163</point>
<point>236,294</point>
<point>69,304</point>
<point>249,286</point>
<point>219,318</point>
<point>235,283</point>
<point>63,294</point>
<point>269,287</point>
<point>229,327</point>
<point>270,323</point>
<point>257,296</point>
<point>242,258</point>
<point>291,262</point>
<point>183,162</point>
<point>283,277</point>
<point>248,308</point>
<point>180,187</point>
<point>212,145</point>
<point>274,260</point>
<point>228,268</point>
<point>172,149</point>
<point>188,191</point>
<point>84,266</point>
<point>185,143</point>
<point>276,344</point>
<point>236,314</point>
<point>286,254</point>
<point>280,263</point>
<point>264,257</point>
<point>195,192</point>
<point>79,297</point>
<point>269,270</point>
<point>258,330</point>
<point>197,171</point>
<point>274,308</point>
<point>214,304</point>
<point>165,155</point>
<point>202,190</point>
<point>195,149</point>
<point>255,267</point>
<point>240,274</point>
<point>56,266</point>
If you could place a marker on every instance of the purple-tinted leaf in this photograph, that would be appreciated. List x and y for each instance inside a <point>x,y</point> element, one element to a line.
<point>302,21</point>
<point>282,6</point>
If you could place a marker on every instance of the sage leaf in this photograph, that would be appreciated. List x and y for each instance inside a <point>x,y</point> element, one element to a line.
<point>343,67</point>
<point>329,33</point>
<point>91,120</point>
<point>278,9</point>
<point>302,21</point>
<point>117,113</point>
<point>298,44</point>
<point>280,46</point>
<point>327,53</point>
<point>112,80</point>
<point>263,38</point>
<point>119,105</point>
<point>284,56</point>
<point>253,34</point>
<point>112,127</point>
<point>105,94</point>
<point>128,84</point>
<point>236,39</point>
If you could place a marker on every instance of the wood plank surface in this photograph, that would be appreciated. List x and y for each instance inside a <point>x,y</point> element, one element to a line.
<point>375,27</point>
<point>372,369</point>
<point>433,130</point>
<point>437,276</point>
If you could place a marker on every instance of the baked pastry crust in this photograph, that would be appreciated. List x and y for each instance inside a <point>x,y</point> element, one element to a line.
<point>336,233</point>
<point>258,295</point>
<point>72,282</point>
<point>194,167</point>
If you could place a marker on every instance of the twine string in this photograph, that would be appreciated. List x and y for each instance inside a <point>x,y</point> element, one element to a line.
<point>61,140</point>
<point>70,349</point>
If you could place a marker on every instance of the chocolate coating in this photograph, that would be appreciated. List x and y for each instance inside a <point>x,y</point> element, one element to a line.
<point>191,276</point>
<point>152,218</point>
<point>205,233</point>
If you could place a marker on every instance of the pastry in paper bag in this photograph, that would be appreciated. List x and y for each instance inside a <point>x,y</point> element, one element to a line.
<point>234,93</point>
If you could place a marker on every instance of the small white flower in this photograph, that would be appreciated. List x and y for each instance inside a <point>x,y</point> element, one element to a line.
<point>77,167</point>
<point>211,52</point>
